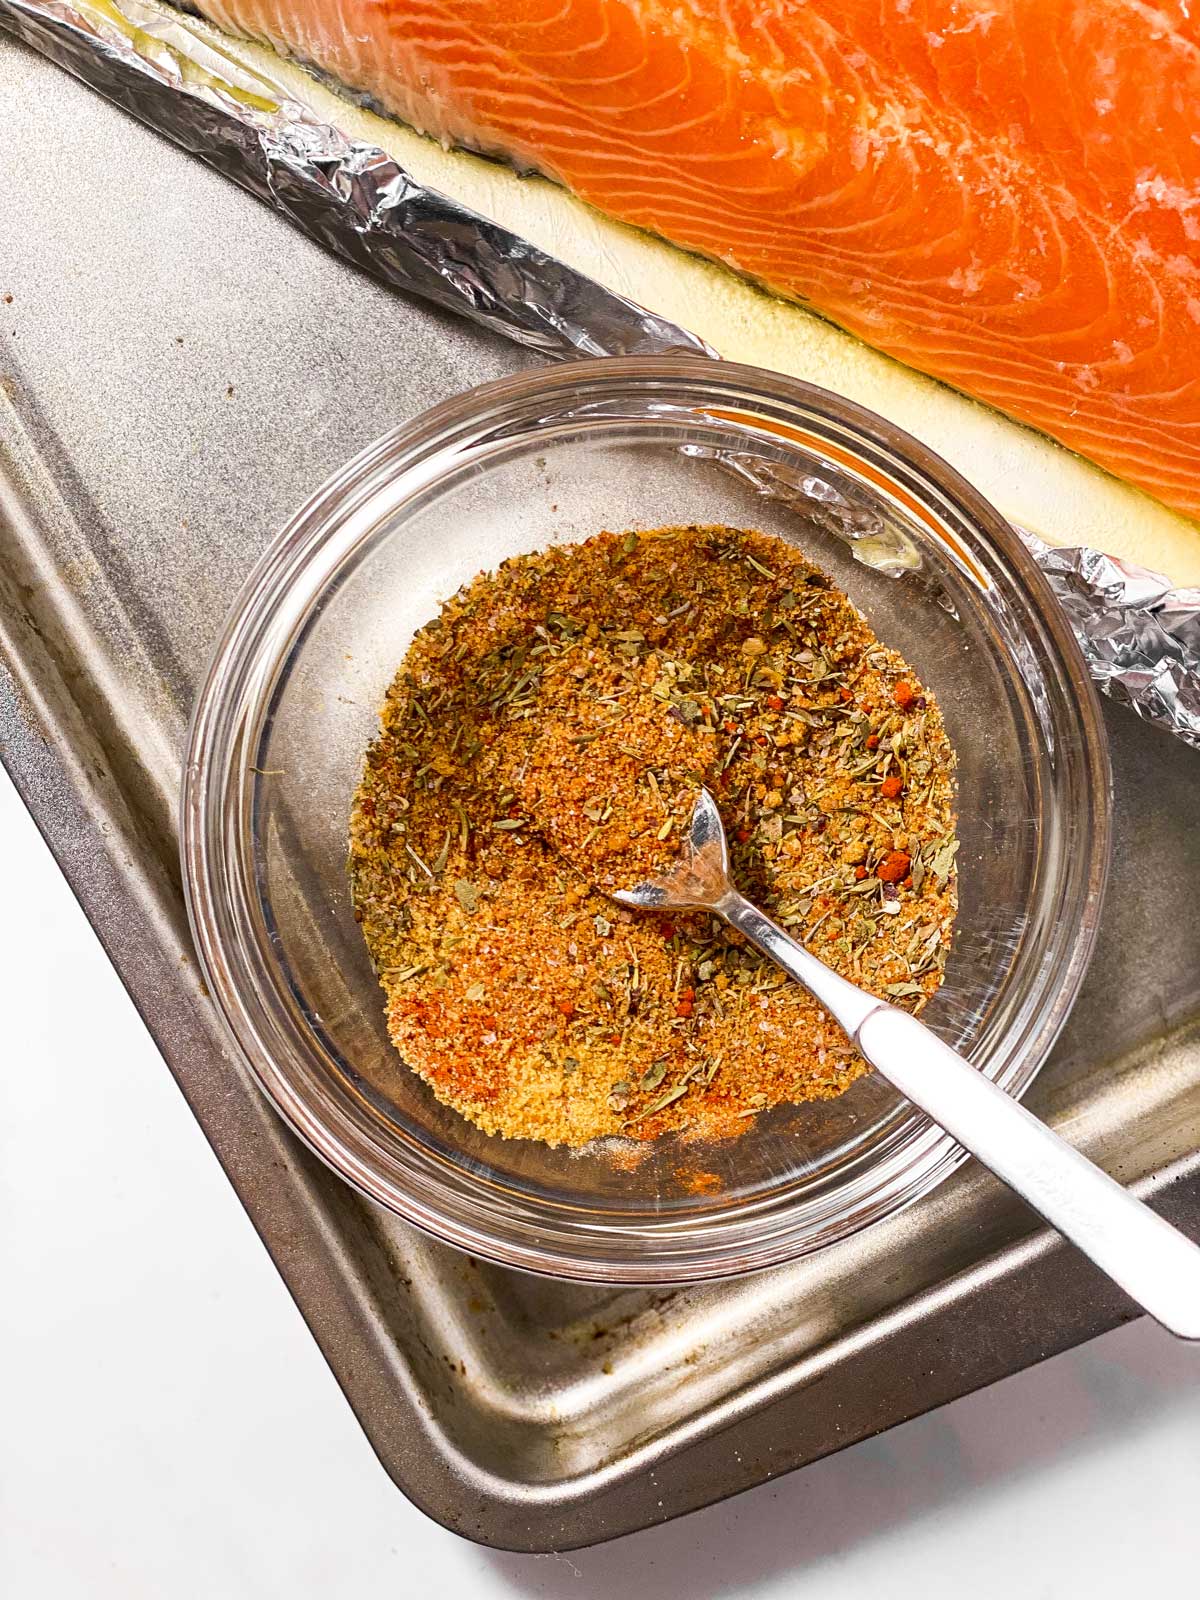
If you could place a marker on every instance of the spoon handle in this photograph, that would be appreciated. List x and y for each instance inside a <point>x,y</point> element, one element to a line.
<point>1146,1256</point>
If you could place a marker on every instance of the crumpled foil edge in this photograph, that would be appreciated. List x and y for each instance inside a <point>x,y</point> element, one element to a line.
<point>1140,638</point>
<point>350,196</point>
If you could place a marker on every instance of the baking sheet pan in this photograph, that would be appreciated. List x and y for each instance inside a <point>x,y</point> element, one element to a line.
<point>165,403</point>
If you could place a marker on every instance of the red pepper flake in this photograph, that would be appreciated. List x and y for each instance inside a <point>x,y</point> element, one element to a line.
<point>730,727</point>
<point>894,866</point>
<point>683,1008</point>
<point>904,694</point>
<point>667,930</point>
<point>687,994</point>
<point>891,787</point>
<point>614,1038</point>
<point>775,702</point>
<point>846,695</point>
<point>908,881</point>
<point>760,738</point>
<point>567,1007</point>
<point>872,741</point>
<point>743,834</point>
<point>860,873</point>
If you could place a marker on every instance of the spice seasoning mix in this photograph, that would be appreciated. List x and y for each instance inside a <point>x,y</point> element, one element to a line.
<point>546,737</point>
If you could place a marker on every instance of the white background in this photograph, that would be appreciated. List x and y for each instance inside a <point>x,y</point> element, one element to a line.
<point>169,1428</point>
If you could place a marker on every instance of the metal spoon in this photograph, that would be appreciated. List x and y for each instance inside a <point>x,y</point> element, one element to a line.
<point>1148,1258</point>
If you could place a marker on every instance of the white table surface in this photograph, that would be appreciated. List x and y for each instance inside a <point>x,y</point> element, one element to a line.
<point>168,1428</point>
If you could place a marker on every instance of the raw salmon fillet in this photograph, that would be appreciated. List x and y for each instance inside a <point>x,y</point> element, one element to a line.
<point>1005,195</point>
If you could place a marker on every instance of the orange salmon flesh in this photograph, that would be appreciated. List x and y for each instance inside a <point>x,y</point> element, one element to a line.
<point>1005,195</point>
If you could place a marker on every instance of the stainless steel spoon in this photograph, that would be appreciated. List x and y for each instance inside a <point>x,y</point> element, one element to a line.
<point>1148,1258</point>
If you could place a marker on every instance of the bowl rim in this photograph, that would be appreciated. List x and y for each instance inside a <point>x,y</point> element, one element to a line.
<point>232,680</point>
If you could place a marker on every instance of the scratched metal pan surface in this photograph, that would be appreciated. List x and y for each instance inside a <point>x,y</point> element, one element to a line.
<point>178,371</point>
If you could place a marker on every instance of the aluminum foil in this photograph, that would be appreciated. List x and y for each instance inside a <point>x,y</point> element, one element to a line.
<point>350,196</point>
<point>1141,639</point>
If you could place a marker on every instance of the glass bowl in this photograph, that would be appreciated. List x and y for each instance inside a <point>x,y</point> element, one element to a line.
<point>291,701</point>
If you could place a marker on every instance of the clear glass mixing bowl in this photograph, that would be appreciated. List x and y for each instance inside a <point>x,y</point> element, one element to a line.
<point>290,705</point>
